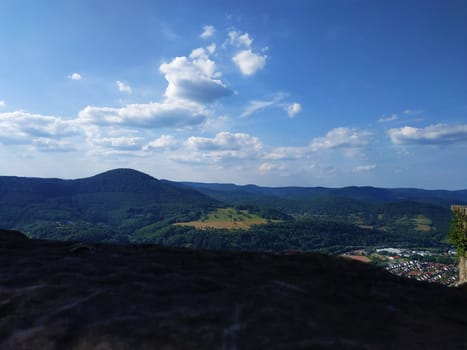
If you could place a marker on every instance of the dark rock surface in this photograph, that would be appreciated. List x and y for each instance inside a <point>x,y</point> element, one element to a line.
<point>65,295</point>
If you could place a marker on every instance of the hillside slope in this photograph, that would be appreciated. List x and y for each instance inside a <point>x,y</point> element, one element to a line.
<point>108,206</point>
<point>391,210</point>
<point>61,295</point>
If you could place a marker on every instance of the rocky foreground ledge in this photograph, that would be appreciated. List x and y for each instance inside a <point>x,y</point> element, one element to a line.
<point>62,295</point>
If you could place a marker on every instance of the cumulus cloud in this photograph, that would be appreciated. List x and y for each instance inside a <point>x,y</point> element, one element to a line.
<point>341,138</point>
<point>75,76</point>
<point>246,60</point>
<point>123,87</point>
<point>176,114</point>
<point>162,142</point>
<point>51,145</point>
<point>238,39</point>
<point>362,168</point>
<point>208,31</point>
<point>194,78</point>
<point>387,119</point>
<point>2,104</point>
<point>225,145</point>
<point>293,109</point>
<point>224,141</point>
<point>439,134</point>
<point>249,62</point>
<point>46,133</point>
<point>22,125</point>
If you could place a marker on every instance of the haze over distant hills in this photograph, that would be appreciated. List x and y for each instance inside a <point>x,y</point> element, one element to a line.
<point>125,205</point>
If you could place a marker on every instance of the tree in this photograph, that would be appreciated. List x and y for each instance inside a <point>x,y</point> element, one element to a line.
<point>458,230</point>
<point>458,237</point>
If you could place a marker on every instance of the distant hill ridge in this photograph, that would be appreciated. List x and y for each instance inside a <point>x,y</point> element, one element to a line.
<point>120,201</point>
<point>125,205</point>
<point>363,193</point>
<point>118,180</point>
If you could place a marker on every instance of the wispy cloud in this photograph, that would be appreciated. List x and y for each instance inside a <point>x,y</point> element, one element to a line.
<point>123,87</point>
<point>2,103</point>
<point>341,138</point>
<point>257,105</point>
<point>362,168</point>
<point>269,167</point>
<point>387,119</point>
<point>236,38</point>
<point>208,31</point>
<point>412,111</point>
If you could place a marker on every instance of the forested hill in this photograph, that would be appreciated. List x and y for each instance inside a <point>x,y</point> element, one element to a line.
<point>112,205</point>
<point>125,205</point>
<point>240,194</point>
<point>407,211</point>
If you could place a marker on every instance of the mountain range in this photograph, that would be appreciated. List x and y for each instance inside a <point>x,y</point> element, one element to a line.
<point>125,205</point>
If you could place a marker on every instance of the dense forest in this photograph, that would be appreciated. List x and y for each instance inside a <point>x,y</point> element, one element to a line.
<point>126,206</point>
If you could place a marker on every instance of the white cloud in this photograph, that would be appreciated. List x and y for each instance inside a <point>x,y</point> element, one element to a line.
<point>2,104</point>
<point>126,143</point>
<point>412,111</point>
<point>224,141</point>
<point>194,78</point>
<point>257,105</point>
<point>23,125</point>
<point>163,142</point>
<point>286,153</point>
<point>439,134</point>
<point>225,145</point>
<point>388,119</point>
<point>51,145</point>
<point>268,167</point>
<point>341,138</point>
<point>208,31</point>
<point>238,39</point>
<point>75,76</point>
<point>368,167</point>
<point>171,113</point>
<point>211,48</point>
<point>249,62</point>
<point>293,109</point>
<point>123,87</point>
<point>44,132</point>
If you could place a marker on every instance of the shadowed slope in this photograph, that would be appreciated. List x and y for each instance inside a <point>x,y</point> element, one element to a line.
<point>58,295</point>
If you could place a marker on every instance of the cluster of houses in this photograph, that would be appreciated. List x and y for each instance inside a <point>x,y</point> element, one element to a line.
<point>425,271</point>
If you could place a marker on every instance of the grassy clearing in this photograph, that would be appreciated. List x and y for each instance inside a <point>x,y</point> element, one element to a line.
<point>227,218</point>
<point>422,223</point>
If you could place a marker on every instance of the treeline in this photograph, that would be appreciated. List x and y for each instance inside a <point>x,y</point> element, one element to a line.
<point>303,235</point>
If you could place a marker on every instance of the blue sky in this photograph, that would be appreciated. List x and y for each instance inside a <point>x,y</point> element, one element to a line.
<point>276,93</point>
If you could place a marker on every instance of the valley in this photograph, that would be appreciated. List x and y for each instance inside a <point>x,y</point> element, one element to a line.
<point>126,206</point>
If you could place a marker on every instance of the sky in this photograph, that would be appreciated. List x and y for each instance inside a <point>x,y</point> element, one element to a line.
<point>274,93</point>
